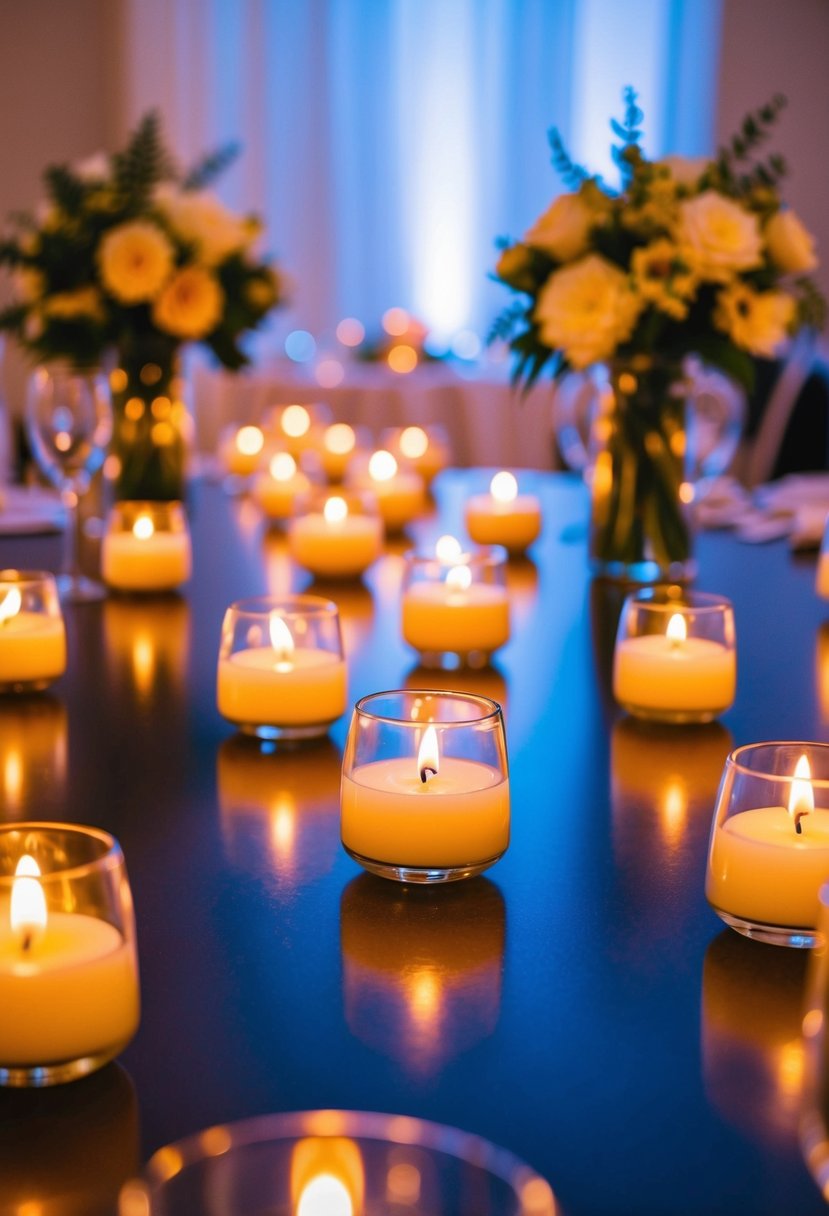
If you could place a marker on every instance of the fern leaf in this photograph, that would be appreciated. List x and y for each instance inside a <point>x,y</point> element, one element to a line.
<point>211,166</point>
<point>143,163</point>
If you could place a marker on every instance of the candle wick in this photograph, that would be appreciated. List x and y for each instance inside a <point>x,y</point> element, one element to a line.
<point>26,943</point>
<point>426,772</point>
<point>798,827</point>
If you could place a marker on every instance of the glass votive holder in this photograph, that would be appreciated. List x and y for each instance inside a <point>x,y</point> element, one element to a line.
<point>276,488</point>
<point>336,1163</point>
<point>296,427</point>
<point>455,606</point>
<point>241,449</point>
<point>282,674</point>
<point>503,516</point>
<point>341,444</point>
<point>32,633</point>
<point>425,449</point>
<point>425,785</point>
<point>769,849</point>
<point>68,964</point>
<point>146,547</point>
<point>400,492</point>
<point>822,572</point>
<point>335,533</point>
<point>675,658</point>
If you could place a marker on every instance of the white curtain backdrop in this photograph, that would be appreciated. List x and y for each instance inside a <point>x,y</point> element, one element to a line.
<point>387,143</point>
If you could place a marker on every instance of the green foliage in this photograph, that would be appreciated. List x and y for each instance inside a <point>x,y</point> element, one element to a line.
<point>142,165</point>
<point>570,173</point>
<point>211,166</point>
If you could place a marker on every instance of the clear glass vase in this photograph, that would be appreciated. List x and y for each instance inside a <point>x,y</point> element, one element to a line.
<point>152,424</point>
<point>640,526</point>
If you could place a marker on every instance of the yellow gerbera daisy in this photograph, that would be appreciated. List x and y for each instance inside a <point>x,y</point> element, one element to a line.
<point>190,305</point>
<point>135,261</point>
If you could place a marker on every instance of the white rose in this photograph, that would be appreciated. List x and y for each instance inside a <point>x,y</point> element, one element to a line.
<point>564,229</point>
<point>585,310</point>
<point>685,170</point>
<point>198,216</point>
<point>790,244</point>
<point>720,235</point>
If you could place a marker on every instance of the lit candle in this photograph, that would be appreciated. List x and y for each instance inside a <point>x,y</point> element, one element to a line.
<point>432,811</point>
<point>425,450</point>
<point>445,607</point>
<point>241,450</point>
<point>340,540</point>
<point>400,494</point>
<point>68,981</point>
<point>673,675</point>
<point>297,428</point>
<point>277,488</point>
<point>32,634</point>
<point>294,689</point>
<point>327,1177</point>
<point>766,864</point>
<point>146,548</point>
<point>503,517</point>
<point>339,447</point>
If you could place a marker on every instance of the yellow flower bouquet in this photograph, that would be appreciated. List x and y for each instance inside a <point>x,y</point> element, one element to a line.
<point>688,257</point>
<point>124,262</point>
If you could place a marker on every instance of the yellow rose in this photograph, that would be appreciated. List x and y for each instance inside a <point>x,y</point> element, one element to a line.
<point>586,310</point>
<point>662,276</point>
<point>563,230</point>
<point>513,266</point>
<point>191,304</point>
<point>70,305</point>
<point>135,260</point>
<point>721,236</point>
<point>791,246</point>
<point>200,218</point>
<point>758,321</point>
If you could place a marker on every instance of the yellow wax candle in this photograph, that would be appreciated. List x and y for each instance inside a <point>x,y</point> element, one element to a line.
<point>145,559</point>
<point>335,542</point>
<point>654,672</point>
<point>72,994</point>
<point>32,648</point>
<point>761,869</point>
<point>277,489</point>
<point>822,576</point>
<point>440,616</point>
<point>459,816</point>
<point>242,450</point>
<point>263,686</point>
<point>338,449</point>
<point>401,496</point>
<point>503,517</point>
<point>423,450</point>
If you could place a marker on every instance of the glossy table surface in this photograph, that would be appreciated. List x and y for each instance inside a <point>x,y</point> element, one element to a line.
<point>580,1004</point>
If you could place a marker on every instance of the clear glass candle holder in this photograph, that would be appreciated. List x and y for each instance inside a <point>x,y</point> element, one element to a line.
<point>146,547</point>
<point>336,1163</point>
<point>426,449</point>
<point>282,672</point>
<point>336,533</point>
<point>675,658</point>
<point>769,850</point>
<point>822,572</point>
<point>297,427</point>
<point>32,634</point>
<point>455,608</point>
<point>425,786</point>
<point>68,964</point>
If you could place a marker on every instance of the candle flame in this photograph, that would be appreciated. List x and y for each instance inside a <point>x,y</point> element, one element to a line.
<point>281,641</point>
<point>325,1195</point>
<point>335,510</point>
<point>143,528</point>
<point>677,631</point>
<point>802,796</point>
<point>504,487</point>
<point>250,440</point>
<point>459,578</point>
<point>448,549</point>
<point>11,604</point>
<point>428,756</point>
<point>28,903</point>
<point>295,421</point>
<point>282,466</point>
<point>382,466</point>
<point>339,439</point>
<point>413,442</point>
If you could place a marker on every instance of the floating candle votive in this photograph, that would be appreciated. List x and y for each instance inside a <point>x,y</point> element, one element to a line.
<point>281,671</point>
<point>336,533</point>
<point>32,634</point>
<point>422,448</point>
<point>277,488</point>
<point>401,494</point>
<point>675,657</point>
<point>503,517</point>
<point>241,449</point>
<point>146,547</point>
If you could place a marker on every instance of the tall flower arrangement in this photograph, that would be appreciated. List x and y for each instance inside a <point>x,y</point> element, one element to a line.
<point>686,257</point>
<point>125,261</point>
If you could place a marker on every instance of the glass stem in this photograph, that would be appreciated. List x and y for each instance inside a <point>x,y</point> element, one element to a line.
<point>69,498</point>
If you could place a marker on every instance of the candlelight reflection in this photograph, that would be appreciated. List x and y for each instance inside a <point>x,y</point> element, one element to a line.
<point>606,600</point>
<point>822,670</point>
<point>422,977</point>
<point>752,1050</point>
<point>279,807</point>
<point>66,1151</point>
<point>483,681</point>
<point>33,755</point>
<point>147,641</point>
<point>280,572</point>
<point>522,584</point>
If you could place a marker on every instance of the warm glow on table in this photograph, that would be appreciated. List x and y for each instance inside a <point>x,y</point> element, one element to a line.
<point>276,489</point>
<point>145,558</point>
<point>454,613</point>
<point>673,672</point>
<point>32,644</point>
<point>400,495</point>
<point>336,542</point>
<point>241,451</point>
<point>503,517</point>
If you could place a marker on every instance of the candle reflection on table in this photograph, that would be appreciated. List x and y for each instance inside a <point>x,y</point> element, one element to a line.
<point>66,1151</point>
<point>279,807</point>
<point>752,1049</point>
<point>422,970</point>
<point>147,641</point>
<point>33,756</point>
<point>822,670</point>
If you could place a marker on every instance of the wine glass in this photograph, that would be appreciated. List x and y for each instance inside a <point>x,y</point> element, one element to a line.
<point>69,424</point>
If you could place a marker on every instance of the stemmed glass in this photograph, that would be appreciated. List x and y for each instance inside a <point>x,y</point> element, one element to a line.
<point>69,424</point>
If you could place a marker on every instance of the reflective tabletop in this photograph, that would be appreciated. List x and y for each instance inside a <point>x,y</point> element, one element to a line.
<point>580,1004</point>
